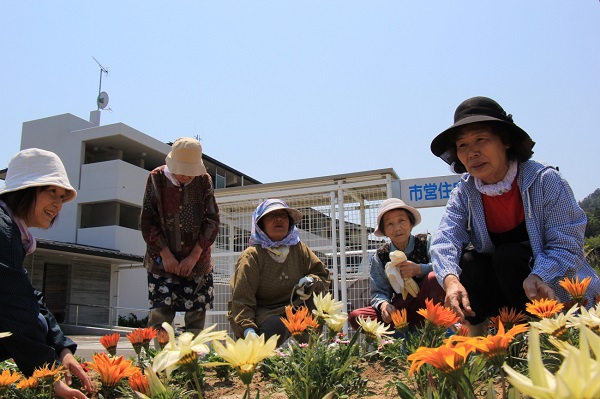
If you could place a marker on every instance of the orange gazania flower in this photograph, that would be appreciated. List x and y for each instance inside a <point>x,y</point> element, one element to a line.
<point>544,308</point>
<point>508,317</point>
<point>448,358</point>
<point>163,337</point>
<point>8,377</point>
<point>136,337</point>
<point>139,383</point>
<point>494,347</point>
<point>49,373</point>
<point>399,319</point>
<point>28,383</point>
<point>112,369</point>
<point>462,330</point>
<point>438,314</point>
<point>296,322</point>
<point>110,342</point>
<point>576,288</point>
<point>148,334</point>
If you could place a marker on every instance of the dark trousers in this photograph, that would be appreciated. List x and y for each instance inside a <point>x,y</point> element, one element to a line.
<point>495,281</point>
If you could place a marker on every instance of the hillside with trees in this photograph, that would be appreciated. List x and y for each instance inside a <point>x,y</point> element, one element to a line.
<point>591,206</point>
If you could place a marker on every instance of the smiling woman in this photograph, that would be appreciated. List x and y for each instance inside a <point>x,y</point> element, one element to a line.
<point>35,189</point>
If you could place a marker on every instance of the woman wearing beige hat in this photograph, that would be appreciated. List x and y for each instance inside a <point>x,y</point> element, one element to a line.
<point>179,222</point>
<point>391,281</point>
<point>35,189</point>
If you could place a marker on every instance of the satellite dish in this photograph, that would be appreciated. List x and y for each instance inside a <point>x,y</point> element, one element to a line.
<point>102,100</point>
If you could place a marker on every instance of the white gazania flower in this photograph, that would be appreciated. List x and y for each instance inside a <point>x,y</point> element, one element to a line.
<point>327,307</point>
<point>336,323</point>
<point>373,328</point>
<point>169,357</point>
<point>591,318</point>
<point>245,353</point>
<point>5,334</point>
<point>577,378</point>
<point>555,326</point>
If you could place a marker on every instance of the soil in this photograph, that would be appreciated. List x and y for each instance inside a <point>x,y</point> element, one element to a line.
<point>376,374</point>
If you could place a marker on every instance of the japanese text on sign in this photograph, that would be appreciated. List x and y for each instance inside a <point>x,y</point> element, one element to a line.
<point>428,192</point>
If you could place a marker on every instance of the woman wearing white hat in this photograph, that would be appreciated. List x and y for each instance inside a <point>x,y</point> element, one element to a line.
<point>396,220</point>
<point>35,189</point>
<point>180,222</point>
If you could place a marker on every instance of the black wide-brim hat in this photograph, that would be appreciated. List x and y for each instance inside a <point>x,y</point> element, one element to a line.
<point>473,110</point>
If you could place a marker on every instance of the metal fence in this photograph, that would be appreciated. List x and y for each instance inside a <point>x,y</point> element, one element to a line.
<point>338,221</point>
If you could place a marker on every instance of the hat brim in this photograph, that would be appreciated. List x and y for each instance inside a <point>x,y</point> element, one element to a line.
<point>416,214</point>
<point>440,143</point>
<point>186,169</point>
<point>72,192</point>
<point>294,214</point>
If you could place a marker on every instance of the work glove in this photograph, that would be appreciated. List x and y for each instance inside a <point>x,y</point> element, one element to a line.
<point>403,286</point>
<point>302,287</point>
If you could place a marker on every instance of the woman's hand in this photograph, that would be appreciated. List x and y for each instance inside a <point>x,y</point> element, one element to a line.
<point>62,390</point>
<point>409,269</point>
<point>168,260</point>
<point>386,311</point>
<point>72,366</point>
<point>535,288</point>
<point>186,266</point>
<point>457,298</point>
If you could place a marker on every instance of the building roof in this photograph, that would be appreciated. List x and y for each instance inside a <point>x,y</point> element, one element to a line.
<point>88,251</point>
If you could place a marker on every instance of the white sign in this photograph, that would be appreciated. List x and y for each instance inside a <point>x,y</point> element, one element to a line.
<point>429,191</point>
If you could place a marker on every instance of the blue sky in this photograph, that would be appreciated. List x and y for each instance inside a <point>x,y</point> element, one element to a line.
<point>284,90</point>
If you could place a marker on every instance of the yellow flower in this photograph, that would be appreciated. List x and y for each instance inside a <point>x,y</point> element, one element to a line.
<point>576,288</point>
<point>591,318</point>
<point>28,383</point>
<point>110,342</point>
<point>326,307</point>
<point>245,353</point>
<point>577,378</point>
<point>336,323</point>
<point>8,377</point>
<point>399,319</point>
<point>557,326</point>
<point>544,308</point>
<point>372,328</point>
<point>438,314</point>
<point>169,358</point>
<point>111,369</point>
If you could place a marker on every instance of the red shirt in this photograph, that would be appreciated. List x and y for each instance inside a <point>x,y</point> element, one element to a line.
<point>503,212</point>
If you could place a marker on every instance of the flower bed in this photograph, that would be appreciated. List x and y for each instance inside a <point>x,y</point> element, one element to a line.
<point>552,352</point>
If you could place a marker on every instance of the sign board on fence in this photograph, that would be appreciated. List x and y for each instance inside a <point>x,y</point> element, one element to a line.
<point>429,191</point>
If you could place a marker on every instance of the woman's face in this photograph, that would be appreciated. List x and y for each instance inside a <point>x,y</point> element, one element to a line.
<point>397,226</point>
<point>48,203</point>
<point>482,152</point>
<point>276,224</point>
<point>183,179</point>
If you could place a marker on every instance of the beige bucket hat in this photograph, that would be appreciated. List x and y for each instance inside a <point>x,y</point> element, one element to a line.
<point>34,167</point>
<point>390,204</point>
<point>185,157</point>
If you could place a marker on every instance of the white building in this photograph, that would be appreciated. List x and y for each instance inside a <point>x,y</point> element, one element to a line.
<point>88,265</point>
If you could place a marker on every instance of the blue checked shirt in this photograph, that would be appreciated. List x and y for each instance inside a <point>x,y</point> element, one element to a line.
<point>555,224</point>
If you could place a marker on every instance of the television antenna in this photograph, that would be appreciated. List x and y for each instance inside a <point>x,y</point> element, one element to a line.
<point>102,99</point>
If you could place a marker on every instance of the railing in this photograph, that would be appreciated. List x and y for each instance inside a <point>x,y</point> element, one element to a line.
<point>113,312</point>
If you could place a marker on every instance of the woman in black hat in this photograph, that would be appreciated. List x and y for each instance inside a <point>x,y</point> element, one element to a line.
<point>512,227</point>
